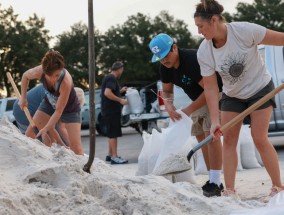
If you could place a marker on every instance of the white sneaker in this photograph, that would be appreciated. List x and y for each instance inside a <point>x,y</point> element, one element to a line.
<point>118,160</point>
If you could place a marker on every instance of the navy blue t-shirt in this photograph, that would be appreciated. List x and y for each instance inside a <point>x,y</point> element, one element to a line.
<point>109,107</point>
<point>34,97</point>
<point>187,75</point>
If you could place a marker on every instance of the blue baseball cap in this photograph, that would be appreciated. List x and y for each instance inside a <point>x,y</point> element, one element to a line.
<point>160,46</point>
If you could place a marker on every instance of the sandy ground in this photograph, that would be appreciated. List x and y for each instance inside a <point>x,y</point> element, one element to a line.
<point>35,179</point>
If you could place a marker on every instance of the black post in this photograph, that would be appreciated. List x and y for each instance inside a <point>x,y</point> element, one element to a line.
<point>91,55</point>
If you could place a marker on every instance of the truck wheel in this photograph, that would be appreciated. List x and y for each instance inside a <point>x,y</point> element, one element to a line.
<point>98,128</point>
<point>141,126</point>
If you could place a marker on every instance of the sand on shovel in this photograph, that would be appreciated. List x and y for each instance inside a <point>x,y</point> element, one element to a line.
<point>174,162</point>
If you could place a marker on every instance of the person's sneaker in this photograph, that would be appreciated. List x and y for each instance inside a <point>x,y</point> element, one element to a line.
<point>118,160</point>
<point>204,187</point>
<point>108,158</point>
<point>212,189</point>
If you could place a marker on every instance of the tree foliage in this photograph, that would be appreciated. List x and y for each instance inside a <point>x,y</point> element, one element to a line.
<point>129,43</point>
<point>22,45</point>
<point>268,13</point>
<point>73,45</point>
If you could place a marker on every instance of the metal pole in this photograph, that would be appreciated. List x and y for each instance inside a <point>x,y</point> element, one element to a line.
<point>91,56</point>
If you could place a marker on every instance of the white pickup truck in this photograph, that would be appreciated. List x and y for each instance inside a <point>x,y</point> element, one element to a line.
<point>274,61</point>
<point>6,108</point>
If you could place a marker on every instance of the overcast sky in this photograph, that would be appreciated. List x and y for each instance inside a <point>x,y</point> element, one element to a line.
<point>61,14</point>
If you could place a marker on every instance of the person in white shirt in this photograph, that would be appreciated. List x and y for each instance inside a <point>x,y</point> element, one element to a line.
<point>231,50</point>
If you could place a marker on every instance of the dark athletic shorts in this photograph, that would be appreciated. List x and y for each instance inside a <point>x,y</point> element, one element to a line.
<point>111,126</point>
<point>74,117</point>
<point>239,105</point>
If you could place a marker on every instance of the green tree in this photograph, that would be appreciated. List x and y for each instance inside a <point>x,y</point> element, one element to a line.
<point>73,45</point>
<point>268,13</point>
<point>22,45</point>
<point>129,43</point>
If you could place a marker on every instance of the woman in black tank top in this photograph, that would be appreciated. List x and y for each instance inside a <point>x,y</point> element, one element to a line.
<point>60,104</point>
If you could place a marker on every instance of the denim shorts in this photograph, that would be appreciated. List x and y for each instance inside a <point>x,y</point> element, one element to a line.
<point>74,117</point>
<point>239,105</point>
<point>201,121</point>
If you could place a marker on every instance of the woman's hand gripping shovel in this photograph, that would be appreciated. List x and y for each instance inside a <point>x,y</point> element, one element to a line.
<point>235,120</point>
<point>28,115</point>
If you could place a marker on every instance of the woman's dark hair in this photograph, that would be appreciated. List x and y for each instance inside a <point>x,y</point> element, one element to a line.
<point>208,8</point>
<point>52,61</point>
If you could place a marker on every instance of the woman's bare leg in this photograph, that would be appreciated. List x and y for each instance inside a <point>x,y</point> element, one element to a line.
<point>259,130</point>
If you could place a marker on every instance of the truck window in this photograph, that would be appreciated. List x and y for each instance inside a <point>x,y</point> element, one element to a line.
<point>10,104</point>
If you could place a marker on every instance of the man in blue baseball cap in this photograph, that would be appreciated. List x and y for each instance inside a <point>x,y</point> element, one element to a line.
<point>180,67</point>
<point>160,46</point>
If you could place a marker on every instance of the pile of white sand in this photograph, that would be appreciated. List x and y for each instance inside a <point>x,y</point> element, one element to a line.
<point>35,179</point>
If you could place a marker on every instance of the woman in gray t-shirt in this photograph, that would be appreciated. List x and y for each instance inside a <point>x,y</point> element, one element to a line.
<point>231,50</point>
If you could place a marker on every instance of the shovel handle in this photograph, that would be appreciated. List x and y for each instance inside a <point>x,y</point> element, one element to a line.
<point>27,113</point>
<point>236,119</point>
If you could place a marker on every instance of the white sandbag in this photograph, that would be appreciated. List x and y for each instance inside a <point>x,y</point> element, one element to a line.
<point>200,166</point>
<point>199,162</point>
<point>187,176</point>
<point>125,110</point>
<point>156,144</point>
<point>176,137</point>
<point>134,101</point>
<point>248,156</point>
<point>142,167</point>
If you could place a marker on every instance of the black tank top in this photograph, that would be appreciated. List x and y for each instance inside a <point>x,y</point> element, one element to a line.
<point>51,95</point>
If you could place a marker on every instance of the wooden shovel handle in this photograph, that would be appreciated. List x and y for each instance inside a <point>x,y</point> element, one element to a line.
<point>249,110</point>
<point>28,115</point>
<point>237,119</point>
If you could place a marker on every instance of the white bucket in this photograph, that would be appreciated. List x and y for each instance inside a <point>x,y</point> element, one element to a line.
<point>134,101</point>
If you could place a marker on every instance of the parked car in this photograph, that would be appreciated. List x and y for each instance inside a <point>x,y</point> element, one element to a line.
<point>147,120</point>
<point>85,109</point>
<point>6,108</point>
<point>274,61</point>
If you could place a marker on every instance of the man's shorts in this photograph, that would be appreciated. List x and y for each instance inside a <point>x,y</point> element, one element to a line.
<point>74,117</point>
<point>111,126</point>
<point>201,121</point>
<point>239,105</point>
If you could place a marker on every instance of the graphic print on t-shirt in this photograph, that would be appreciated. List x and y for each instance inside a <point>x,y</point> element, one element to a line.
<point>233,67</point>
<point>186,80</point>
<point>52,99</point>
